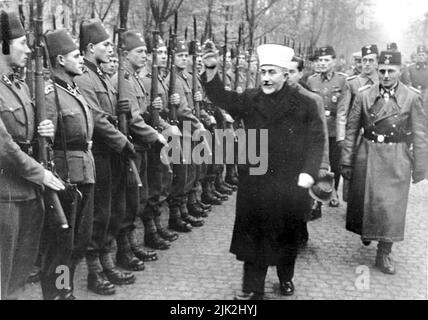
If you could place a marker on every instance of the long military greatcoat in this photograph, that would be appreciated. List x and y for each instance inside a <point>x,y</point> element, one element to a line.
<point>382,171</point>
<point>269,205</point>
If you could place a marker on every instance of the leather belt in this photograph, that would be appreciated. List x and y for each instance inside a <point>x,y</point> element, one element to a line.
<point>382,138</point>
<point>86,146</point>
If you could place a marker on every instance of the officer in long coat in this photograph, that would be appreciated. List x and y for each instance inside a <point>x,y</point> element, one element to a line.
<point>393,149</point>
<point>271,206</point>
<point>21,177</point>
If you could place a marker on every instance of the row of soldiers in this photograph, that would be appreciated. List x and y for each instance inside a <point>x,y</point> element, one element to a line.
<point>89,150</point>
<point>83,111</point>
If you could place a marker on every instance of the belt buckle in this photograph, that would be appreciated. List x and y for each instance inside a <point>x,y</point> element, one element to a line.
<point>327,113</point>
<point>90,143</point>
<point>380,138</point>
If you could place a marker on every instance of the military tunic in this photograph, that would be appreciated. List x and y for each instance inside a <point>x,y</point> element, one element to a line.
<point>352,87</point>
<point>21,178</point>
<point>109,199</point>
<point>330,88</point>
<point>143,136</point>
<point>393,148</point>
<point>418,74</point>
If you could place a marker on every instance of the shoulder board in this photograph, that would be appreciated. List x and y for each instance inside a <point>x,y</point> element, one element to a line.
<point>343,74</point>
<point>415,90</point>
<point>49,87</point>
<point>364,87</point>
<point>349,78</point>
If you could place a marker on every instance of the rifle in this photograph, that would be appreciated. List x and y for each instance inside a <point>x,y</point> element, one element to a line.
<point>172,44</point>
<point>45,152</point>
<point>132,175</point>
<point>29,73</point>
<point>196,104</point>
<point>235,55</point>
<point>154,92</point>
<point>250,53</point>
<point>224,54</point>
<point>173,71</point>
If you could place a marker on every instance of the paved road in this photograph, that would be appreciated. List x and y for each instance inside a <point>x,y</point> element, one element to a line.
<point>198,265</point>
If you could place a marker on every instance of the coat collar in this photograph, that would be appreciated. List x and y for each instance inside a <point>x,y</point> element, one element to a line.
<point>277,106</point>
<point>400,96</point>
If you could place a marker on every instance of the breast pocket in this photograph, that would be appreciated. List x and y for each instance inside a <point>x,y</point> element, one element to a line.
<point>15,119</point>
<point>104,100</point>
<point>73,122</point>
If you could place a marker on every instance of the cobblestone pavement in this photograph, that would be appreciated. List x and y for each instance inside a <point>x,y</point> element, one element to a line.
<point>199,266</point>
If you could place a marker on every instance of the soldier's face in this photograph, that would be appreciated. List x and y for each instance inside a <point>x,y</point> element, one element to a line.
<point>199,62</point>
<point>181,60</point>
<point>162,57</point>
<point>19,52</point>
<point>241,60</point>
<point>358,64</point>
<point>294,75</point>
<point>326,63</point>
<point>137,57</point>
<point>111,67</point>
<point>388,75</point>
<point>421,57</point>
<point>273,78</point>
<point>103,51</point>
<point>369,63</point>
<point>72,63</point>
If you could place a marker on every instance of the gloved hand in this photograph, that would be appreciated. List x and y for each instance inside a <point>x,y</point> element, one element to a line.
<point>123,107</point>
<point>175,99</point>
<point>157,104</point>
<point>128,151</point>
<point>46,129</point>
<point>305,181</point>
<point>322,173</point>
<point>346,172</point>
<point>341,144</point>
<point>198,96</point>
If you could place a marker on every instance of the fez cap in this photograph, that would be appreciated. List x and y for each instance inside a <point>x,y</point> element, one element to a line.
<point>59,42</point>
<point>181,47</point>
<point>369,49</point>
<point>391,46</point>
<point>326,51</point>
<point>357,55</point>
<point>132,39</point>
<point>421,49</point>
<point>209,48</point>
<point>10,28</point>
<point>92,31</point>
<point>275,54</point>
<point>195,47</point>
<point>390,57</point>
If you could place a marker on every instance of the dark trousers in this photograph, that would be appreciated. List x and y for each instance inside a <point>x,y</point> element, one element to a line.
<point>334,155</point>
<point>20,229</point>
<point>159,178</point>
<point>66,247</point>
<point>109,205</point>
<point>255,274</point>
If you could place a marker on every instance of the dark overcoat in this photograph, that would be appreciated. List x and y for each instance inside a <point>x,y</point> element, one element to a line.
<point>382,172</point>
<point>269,206</point>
